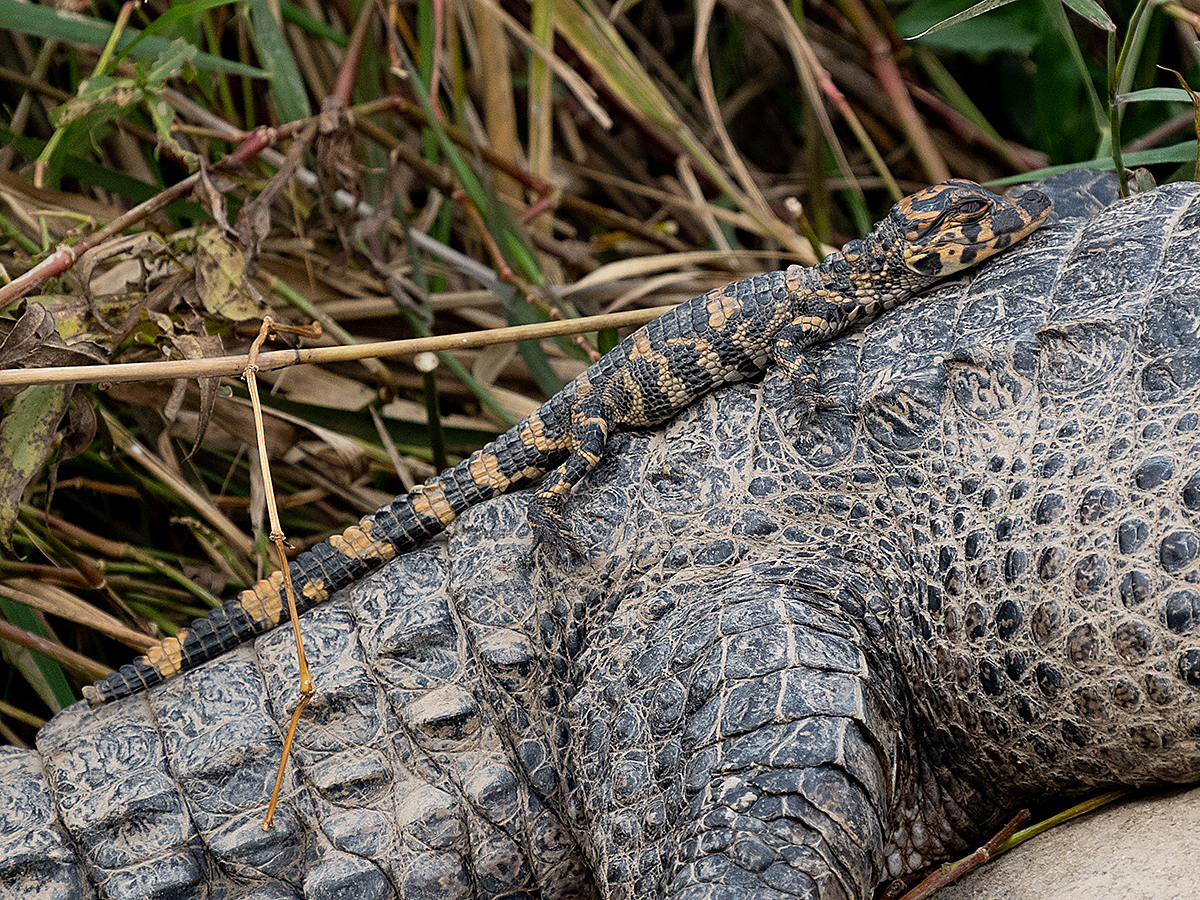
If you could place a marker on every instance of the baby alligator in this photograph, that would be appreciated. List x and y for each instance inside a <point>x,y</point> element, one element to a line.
<point>723,336</point>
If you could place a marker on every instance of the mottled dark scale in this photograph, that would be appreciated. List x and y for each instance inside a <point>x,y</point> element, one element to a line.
<point>1091,705</point>
<point>1135,589</point>
<point>1191,493</point>
<point>1050,509</point>
<point>1125,694</point>
<point>1009,616</point>
<point>1046,621</point>
<point>1154,472</point>
<point>976,544</point>
<point>1052,562</point>
<point>1097,503</point>
<point>1091,574</point>
<point>1017,562</point>
<point>1189,667</point>
<point>1027,709</point>
<point>1015,664</point>
<point>1131,535</point>
<point>1181,611</point>
<point>1049,680</point>
<point>1053,464</point>
<point>1084,645</point>
<point>1178,550</point>
<point>791,649</point>
<point>1161,689</point>
<point>1133,640</point>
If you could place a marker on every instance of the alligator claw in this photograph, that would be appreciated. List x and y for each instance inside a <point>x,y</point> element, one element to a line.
<point>549,525</point>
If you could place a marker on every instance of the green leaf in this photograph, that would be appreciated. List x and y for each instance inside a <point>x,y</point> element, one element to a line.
<point>99,99</point>
<point>45,676</point>
<point>607,339</point>
<point>103,98</point>
<point>984,6</point>
<point>294,15</point>
<point>182,12</point>
<point>30,18</point>
<point>221,277</point>
<point>170,63</point>
<point>1176,153</point>
<point>26,440</point>
<point>287,87</point>
<point>1091,11</point>
<point>1016,29</point>
<point>1176,95</point>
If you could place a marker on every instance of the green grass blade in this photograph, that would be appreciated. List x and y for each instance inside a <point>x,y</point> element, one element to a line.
<point>294,15</point>
<point>984,6</point>
<point>1173,95</point>
<point>1091,11</point>
<point>29,18</point>
<point>51,672</point>
<point>1175,153</point>
<point>1058,21</point>
<point>175,14</point>
<point>287,87</point>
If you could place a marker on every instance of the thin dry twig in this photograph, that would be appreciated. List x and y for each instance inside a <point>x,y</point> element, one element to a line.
<point>278,539</point>
<point>950,873</point>
<point>279,359</point>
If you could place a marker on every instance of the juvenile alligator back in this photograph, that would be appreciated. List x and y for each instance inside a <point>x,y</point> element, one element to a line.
<point>715,339</point>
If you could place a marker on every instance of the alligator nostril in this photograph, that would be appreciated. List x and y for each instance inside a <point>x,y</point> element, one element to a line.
<point>1035,198</point>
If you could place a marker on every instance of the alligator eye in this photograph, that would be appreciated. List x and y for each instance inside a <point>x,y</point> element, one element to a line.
<point>970,209</point>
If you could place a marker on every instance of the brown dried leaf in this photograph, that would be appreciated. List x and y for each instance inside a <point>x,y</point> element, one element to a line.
<point>209,192</point>
<point>221,281</point>
<point>77,437</point>
<point>27,435</point>
<point>32,342</point>
<point>81,428</point>
<point>199,346</point>
<point>25,336</point>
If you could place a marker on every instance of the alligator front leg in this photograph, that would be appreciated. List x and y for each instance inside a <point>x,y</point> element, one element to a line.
<point>742,753</point>
<point>788,353</point>
<point>804,820</point>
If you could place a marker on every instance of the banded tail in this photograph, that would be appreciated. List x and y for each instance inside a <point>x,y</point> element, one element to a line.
<point>524,452</point>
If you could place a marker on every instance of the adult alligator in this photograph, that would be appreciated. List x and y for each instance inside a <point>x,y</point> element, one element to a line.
<point>802,655</point>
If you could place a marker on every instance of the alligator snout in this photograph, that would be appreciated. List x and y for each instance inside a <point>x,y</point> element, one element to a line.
<point>1023,215</point>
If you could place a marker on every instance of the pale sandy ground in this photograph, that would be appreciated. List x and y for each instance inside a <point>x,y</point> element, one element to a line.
<point>1142,849</point>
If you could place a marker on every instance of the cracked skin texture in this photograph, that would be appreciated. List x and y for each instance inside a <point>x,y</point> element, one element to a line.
<point>802,656</point>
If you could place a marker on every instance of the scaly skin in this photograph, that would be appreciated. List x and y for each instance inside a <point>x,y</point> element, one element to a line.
<point>724,336</point>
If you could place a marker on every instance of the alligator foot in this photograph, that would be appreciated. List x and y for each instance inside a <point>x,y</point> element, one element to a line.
<point>810,403</point>
<point>550,527</point>
<point>949,873</point>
